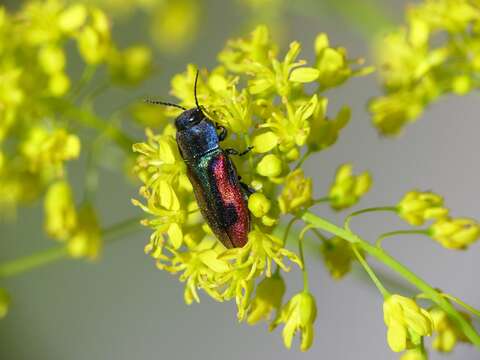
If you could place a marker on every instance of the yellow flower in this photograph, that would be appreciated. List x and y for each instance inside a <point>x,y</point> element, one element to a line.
<point>448,333</point>
<point>259,252</point>
<point>45,149</point>
<point>258,204</point>
<point>456,233</point>
<point>347,189</point>
<point>94,42</point>
<point>175,24</point>
<point>292,129</point>
<point>298,314</point>
<point>199,268</point>
<point>324,132</point>
<point>86,241</point>
<point>130,66</point>
<point>270,166</point>
<point>72,18</point>
<point>159,160</point>
<point>168,213</point>
<point>239,284</point>
<point>60,212</point>
<point>415,60</point>
<point>414,354</point>
<point>241,55</point>
<point>274,76</point>
<point>338,257</point>
<point>417,207</point>
<point>4,302</point>
<point>297,192</point>
<point>268,298</point>
<point>407,323</point>
<point>332,63</point>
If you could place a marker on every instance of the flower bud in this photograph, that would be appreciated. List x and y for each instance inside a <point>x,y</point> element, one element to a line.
<point>60,212</point>
<point>414,354</point>
<point>268,298</point>
<point>265,142</point>
<point>456,233</point>
<point>258,204</point>
<point>347,189</point>
<point>338,257</point>
<point>131,66</point>
<point>296,193</point>
<point>86,242</point>
<point>407,323</point>
<point>72,18</point>
<point>417,207</point>
<point>298,314</point>
<point>448,333</point>
<point>270,166</point>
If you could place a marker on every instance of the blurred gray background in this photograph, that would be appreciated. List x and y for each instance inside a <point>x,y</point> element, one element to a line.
<point>121,307</point>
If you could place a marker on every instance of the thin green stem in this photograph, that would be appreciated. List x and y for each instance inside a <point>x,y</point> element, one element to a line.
<point>288,228</point>
<point>400,269</point>
<point>456,300</point>
<point>321,200</point>
<point>303,159</point>
<point>49,256</point>
<point>385,293</point>
<point>116,231</point>
<point>365,211</point>
<point>86,77</point>
<point>302,257</point>
<point>30,262</point>
<point>463,304</point>
<point>319,235</point>
<point>382,237</point>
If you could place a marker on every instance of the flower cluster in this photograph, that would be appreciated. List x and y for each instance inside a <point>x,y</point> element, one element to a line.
<point>43,108</point>
<point>276,115</point>
<point>407,323</point>
<point>417,207</point>
<point>436,53</point>
<point>447,331</point>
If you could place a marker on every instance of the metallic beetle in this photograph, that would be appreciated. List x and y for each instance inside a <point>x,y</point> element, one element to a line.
<point>221,196</point>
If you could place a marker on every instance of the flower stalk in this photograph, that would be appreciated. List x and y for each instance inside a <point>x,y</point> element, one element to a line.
<point>403,271</point>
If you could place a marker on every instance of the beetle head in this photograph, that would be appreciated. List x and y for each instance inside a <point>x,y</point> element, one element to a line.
<point>188,119</point>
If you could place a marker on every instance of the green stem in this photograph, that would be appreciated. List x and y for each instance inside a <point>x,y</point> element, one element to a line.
<point>400,232</point>
<point>30,262</point>
<point>302,257</point>
<point>365,211</point>
<point>303,159</point>
<point>385,293</point>
<point>462,304</point>
<point>399,268</point>
<point>321,200</point>
<point>455,300</point>
<point>319,235</point>
<point>287,229</point>
<point>46,257</point>
<point>88,119</point>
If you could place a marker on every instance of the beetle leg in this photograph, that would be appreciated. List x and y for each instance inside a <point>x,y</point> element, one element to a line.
<point>231,151</point>
<point>223,132</point>
<point>248,190</point>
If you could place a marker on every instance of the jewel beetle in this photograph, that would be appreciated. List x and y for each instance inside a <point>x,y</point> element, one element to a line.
<point>221,196</point>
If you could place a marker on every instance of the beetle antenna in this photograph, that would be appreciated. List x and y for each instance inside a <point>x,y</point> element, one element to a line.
<point>199,107</point>
<point>156,102</point>
<point>195,91</point>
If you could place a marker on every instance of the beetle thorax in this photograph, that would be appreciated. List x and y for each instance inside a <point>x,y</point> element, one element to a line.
<point>196,139</point>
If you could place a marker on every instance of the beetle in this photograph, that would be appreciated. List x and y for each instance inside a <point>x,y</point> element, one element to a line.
<point>221,196</point>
